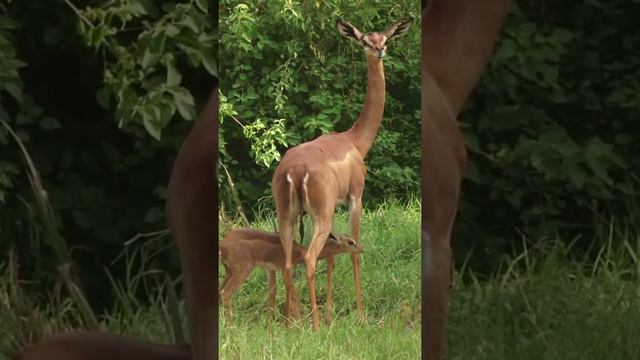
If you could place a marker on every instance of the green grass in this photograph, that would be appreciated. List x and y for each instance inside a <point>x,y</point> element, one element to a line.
<point>544,303</point>
<point>391,293</point>
<point>544,306</point>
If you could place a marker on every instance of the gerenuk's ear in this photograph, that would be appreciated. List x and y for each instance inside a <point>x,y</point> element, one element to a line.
<point>349,31</point>
<point>398,28</point>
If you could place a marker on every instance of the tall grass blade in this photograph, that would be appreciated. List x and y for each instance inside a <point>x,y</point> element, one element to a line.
<point>89,317</point>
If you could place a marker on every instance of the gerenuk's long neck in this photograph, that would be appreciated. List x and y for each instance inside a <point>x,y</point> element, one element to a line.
<point>458,37</point>
<point>363,132</point>
<point>192,198</point>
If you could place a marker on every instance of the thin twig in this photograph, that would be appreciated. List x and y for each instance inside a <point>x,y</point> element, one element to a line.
<point>238,121</point>
<point>79,13</point>
<point>52,235</point>
<point>79,298</point>
<point>153,235</point>
<point>234,194</point>
<point>173,312</point>
<point>158,233</point>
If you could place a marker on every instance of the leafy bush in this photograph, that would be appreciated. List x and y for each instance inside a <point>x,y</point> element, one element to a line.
<point>288,77</point>
<point>67,71</point>
<point>551,126</point>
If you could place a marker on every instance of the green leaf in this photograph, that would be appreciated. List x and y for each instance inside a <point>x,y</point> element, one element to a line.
<point>186,111</point>
<point>154,215</point>
<point>144,39</point>
<point>7,23</point>
<point>13,64</point>
<point>536,161</point>
<point>173,76</point>
<point>103,98</point>
<point>96,36</point>
<point>210,64</point>
<point>184,102</point>
<point>182,95</point>
<point>599,169</point>
<point>576,174</point>
<point>50,123</point>
<point>150,122</point>
<point>167,110</point>
<point>202,5</point>
<point>135,8</point>
<point>171,30</point>
<point>14,90</point>
<point>472,173</point>
<point>189,22</point>
<point>157,44</point>
<point>22,119</point>
<point>149,59</point>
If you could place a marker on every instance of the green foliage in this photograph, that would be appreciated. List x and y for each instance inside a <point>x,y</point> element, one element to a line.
<point>288,77</point>
<point>545,303</point>
<point>263,147</point>
<point>10,85</point>
<point>550,128</point>
<point>142,75</point>
<point>66,71</point>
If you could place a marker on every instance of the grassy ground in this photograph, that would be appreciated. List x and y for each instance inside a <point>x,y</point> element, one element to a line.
<point>391,292</point>
<point>543,304</point>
